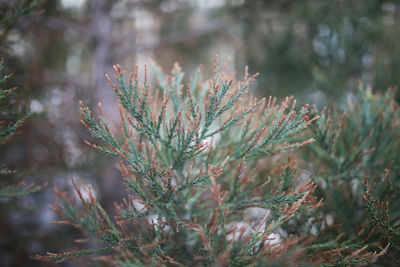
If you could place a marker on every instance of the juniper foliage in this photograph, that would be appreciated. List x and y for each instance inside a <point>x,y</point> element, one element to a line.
<point>195,162</point>
<point>9,15</point>
<point>10,188</point>
<point>356,155</point>
<point>208,178</point>
<point>11,12</point>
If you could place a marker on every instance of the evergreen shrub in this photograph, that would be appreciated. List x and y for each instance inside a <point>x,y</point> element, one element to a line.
<point>214,178</point>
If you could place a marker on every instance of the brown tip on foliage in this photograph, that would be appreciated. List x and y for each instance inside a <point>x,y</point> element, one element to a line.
<point>145,73</point>
<point>100,109</point>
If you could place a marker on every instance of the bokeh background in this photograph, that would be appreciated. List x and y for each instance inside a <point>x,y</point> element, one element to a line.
<point>315,50</point>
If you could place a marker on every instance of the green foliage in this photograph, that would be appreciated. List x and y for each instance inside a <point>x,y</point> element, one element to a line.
<point>9,15</point>
<point>357,141</point>
<point>7,130</point>
<point>11,12</point>
<point>195,164</point>
<point>210,183</point>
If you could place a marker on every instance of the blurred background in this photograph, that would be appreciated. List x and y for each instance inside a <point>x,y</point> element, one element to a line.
<point>314,50</point>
